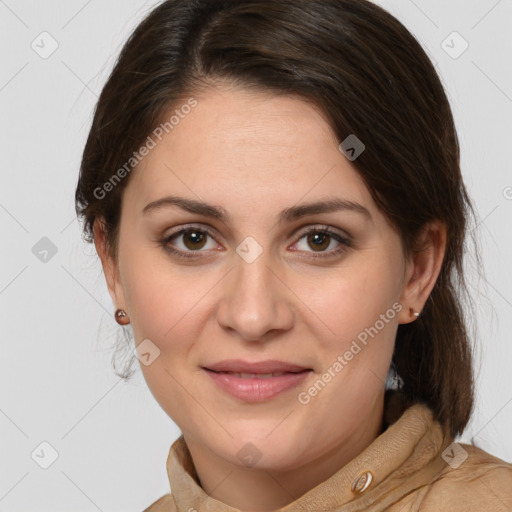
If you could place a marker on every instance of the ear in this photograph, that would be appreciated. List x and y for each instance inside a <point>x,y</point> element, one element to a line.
<point>109,264</point>
<point>422,270</point>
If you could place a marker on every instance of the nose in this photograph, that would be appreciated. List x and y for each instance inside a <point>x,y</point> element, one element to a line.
<point>255,300</point>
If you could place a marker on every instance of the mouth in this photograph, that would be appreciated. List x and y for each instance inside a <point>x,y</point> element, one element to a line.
<point>256,382</point>
<point>267,367</point>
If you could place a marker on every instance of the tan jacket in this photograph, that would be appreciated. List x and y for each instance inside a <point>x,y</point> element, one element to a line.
<point>411,466</point>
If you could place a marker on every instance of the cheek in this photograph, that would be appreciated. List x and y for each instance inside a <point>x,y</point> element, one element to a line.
<point>352,299</point>
<point>157,298</point>
<point>168,304</point>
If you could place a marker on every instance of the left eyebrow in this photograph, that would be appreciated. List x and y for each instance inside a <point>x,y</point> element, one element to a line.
<point>287,215</point>
<point>327,206</point>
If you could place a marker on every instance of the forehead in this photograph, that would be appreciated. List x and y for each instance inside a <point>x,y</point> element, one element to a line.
<point>241,146</point>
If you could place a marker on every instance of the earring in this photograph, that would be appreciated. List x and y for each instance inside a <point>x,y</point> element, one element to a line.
<point>414,313</point>
<point>121,317</point>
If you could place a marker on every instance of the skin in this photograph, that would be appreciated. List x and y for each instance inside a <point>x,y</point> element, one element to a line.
<point>255,154</point>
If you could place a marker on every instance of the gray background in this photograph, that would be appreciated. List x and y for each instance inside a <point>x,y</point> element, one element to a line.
<point>56,382</point>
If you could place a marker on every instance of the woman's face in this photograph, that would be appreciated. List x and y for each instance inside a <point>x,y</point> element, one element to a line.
<point>255,284</point>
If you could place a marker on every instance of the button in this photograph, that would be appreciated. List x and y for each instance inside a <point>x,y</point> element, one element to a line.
<point>362,482</point>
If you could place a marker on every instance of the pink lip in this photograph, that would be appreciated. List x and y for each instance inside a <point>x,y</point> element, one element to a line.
<point>257,389</point>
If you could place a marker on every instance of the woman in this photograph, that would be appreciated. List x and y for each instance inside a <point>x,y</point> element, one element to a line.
<point>274,190</point>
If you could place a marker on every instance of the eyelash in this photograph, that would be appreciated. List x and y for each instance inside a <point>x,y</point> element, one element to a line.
<point>345,242</point>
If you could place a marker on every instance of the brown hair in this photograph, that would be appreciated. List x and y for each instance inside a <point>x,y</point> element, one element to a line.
<point>370,77</point>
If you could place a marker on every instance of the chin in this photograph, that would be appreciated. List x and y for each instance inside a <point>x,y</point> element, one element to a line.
<point>260,448</point>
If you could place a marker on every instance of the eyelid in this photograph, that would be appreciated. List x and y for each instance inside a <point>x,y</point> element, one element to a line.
<point>190,227</point>
<point>322,228</point>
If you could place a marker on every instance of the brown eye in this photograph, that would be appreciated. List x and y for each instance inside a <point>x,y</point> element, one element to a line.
<point>322,242</point>
<point>190,242</point>
<point>194,240</point>
<point>319,241</point>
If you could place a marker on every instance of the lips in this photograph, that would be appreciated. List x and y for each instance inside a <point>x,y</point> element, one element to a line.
<point>256,382</point>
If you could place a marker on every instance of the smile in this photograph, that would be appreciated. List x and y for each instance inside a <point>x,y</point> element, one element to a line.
<point>257,387</point>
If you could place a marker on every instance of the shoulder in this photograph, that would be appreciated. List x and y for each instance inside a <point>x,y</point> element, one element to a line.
<point>164,504</point>
<point>472,480</point>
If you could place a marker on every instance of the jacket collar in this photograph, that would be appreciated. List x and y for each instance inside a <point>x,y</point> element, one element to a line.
<point>405,456</point>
